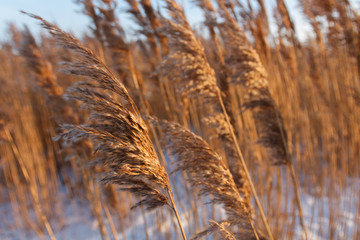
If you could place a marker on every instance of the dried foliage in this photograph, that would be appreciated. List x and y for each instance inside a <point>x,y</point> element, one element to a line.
<point>117,130</point>
<point>115,41</point>
<point>41,67</point>
<point>189,71</point>
<point>247,70</point>
<point>150,25</point>
<point>220,227</point>
<point>206,170</point>
<point>223,70</point>
<point>46,78</point>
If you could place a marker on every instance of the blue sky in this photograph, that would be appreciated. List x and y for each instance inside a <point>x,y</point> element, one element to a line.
<point>67,14</point>
<point>64,13</point>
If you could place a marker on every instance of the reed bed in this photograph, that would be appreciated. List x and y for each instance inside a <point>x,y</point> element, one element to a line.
<point>228,131</point>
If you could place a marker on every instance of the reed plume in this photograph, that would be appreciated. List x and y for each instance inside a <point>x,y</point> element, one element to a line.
<point>222,228</point>
<point>206,170</point>
<point>189,71</point>
<point>311,15</point>
<point>191,74</point>
<point>247,70</point>
<point>40,66</point>
<point>119,134</point>
<point>221,70</point>
<point>150,25</point>
<point>46,78</point>
<point>219,227</point>
<point>90,11</point>
<point>114,37</point>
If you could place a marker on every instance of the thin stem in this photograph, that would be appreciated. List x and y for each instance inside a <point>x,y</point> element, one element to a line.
<point>145,223</point>
<point>247,174</point>
<point>290,165</point>
<point>253,228</point>
<point>297,197</point>
<point>173,207</point>
<point>32,186</point>
<point>111,222</point>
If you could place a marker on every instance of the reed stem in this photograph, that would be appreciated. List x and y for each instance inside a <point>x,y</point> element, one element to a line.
<point>294,180</point>
<point>32,186</point>
<point>297,197</point>
<point>173,207</point>
<point>247,174</point>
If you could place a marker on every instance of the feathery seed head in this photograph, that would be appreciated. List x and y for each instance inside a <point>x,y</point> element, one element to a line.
<point>119,134</point>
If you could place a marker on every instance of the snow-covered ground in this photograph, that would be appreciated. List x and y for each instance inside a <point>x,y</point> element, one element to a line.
<point>78,223</point>
<point>335,217</point>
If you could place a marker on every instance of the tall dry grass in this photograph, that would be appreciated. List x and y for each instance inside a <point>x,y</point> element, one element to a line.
<point>241,99</point>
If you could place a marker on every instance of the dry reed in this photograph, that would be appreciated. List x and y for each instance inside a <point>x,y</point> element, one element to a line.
<point>208,171</point>
<point>315,83</point>
<point>119,134</point>
<point>247,70</point>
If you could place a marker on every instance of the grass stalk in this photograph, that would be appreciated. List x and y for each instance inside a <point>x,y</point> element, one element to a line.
<point>290,165</point>
<point>173,207</point>
<point>247,174</point>
<point>32,186</point>
<point>294,180</point>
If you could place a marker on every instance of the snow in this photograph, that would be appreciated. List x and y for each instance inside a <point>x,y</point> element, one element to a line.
<point>77,222</point>
<point>346,214</point>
